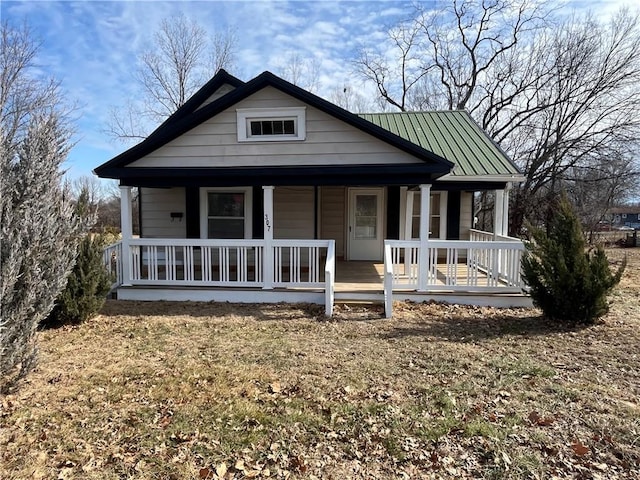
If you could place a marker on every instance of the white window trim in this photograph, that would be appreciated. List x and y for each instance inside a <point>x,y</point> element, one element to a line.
<point>442,213</point>
<point>246,115</point>
<point>248,213</point>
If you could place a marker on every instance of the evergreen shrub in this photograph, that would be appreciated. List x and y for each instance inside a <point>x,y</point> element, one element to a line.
<point>568,282</point>
<point>87,286</point>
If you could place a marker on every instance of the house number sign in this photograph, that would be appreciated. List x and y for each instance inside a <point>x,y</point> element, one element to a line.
<point>266,222</point>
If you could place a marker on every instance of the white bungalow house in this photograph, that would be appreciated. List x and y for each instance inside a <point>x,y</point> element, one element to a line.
<point>264,192</point>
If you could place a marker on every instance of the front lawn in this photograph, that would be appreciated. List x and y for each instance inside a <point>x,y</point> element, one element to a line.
<point>197,390</point>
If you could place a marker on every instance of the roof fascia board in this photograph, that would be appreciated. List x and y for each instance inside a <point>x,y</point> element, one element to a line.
<point>482,178</point>
<point>341,170</point>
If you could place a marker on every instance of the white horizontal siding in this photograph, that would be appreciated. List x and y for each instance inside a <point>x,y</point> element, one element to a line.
<point>293,214</point>
<point>329,142</point>
<point>156,207</point>
<point>332,213</point>
<point>466,214</point>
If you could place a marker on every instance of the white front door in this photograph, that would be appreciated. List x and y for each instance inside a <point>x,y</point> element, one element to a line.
<point>365,224</point>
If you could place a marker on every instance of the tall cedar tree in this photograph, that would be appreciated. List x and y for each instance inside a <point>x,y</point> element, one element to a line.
<point>40,234</point>
<point>39,230</point>
<point>569,283</point>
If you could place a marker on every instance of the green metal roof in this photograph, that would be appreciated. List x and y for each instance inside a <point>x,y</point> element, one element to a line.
<point>453,135</point>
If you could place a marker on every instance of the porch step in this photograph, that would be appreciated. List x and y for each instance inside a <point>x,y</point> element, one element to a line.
<point>359,297</point>
<point>507,300</point>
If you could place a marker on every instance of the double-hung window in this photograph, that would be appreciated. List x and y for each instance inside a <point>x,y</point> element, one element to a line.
<point>227,213</point>
<point>437,218</point>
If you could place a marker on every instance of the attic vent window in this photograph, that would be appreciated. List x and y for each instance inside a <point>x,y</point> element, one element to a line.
<point>271,125</point>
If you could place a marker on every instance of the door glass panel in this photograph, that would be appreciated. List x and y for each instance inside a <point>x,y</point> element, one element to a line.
<point>366,216</point>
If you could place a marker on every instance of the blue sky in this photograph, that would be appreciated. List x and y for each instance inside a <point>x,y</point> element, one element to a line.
<point>92,46</point>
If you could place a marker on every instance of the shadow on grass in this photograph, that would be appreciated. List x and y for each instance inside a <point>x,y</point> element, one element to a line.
<point>257,311</point>
<point>478,328</point>
<point>465,324</point>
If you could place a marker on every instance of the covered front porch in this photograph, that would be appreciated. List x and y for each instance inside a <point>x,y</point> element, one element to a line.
<point>482,270</point>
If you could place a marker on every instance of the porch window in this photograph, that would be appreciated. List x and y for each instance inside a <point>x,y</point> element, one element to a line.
<point>226,212</point>
<point>226,215</point>
<point>435,222</point>
<point>271,124</point>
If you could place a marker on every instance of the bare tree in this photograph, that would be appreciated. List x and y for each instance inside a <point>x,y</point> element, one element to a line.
<point>443,57</point>
<point>596,188</point>
<point>39,229</point>
<point>557,94</point>
<point>223,51</point>
<point>585,115</point>
<point>21,94</point>
<point>303,72</point>
<point>91,187</point>
<point>395,74</point>
<point>350,99</point>
<point>180,60</point>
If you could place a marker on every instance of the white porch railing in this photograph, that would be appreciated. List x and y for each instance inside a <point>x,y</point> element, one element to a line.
<point>229,263</point>
<point>481,236</point>
<point>504,260</point>
<point>111,257</point>
<point>453,265</point>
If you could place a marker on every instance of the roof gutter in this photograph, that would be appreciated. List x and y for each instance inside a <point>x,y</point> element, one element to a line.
<point>514,178</point>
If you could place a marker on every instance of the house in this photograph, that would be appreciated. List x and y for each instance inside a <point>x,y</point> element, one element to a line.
<point>264,192</point>
<point>627,217</point>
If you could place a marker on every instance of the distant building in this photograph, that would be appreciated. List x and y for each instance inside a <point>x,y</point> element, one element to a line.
<point>624,217</point>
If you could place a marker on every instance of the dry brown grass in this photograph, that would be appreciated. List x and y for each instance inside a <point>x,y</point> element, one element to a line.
<point>196,390</point>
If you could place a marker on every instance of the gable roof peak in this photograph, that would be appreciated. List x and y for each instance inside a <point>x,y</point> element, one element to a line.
<point>193,113</point>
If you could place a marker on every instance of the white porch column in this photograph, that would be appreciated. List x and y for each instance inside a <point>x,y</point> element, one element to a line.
<point>505,210</point>
<point>423,268</point>
<point>126,227</point>
<point>268,237</point>
<point>498,213</point>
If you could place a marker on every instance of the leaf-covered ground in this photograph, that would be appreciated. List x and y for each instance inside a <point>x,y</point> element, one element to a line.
<point>197,390</point>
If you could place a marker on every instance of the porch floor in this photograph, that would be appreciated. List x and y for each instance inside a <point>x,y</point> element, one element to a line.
<point>359,276</point>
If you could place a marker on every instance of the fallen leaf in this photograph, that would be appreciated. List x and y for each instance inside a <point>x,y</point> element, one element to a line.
<point>536,419</point>
<point>275,387</point>
<point>164,421</point>
<point>221,470</point>
<point>298,464</point>
<point>579,449</point>
<point>204,473</point>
